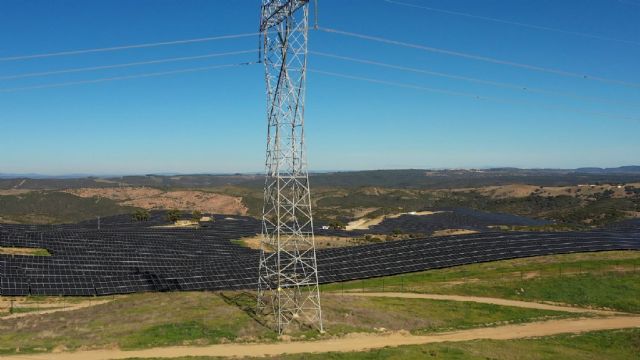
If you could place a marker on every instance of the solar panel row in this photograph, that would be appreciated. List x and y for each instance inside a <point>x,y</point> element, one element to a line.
<point>127,259</point>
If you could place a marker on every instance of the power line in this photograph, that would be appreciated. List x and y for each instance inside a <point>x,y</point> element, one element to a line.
<point>472,95</point>
<point>115,66</point>
<point>471,79</point>
<point>515,23</point>
<point>629,2</point>
<point>126,47</point>
<point>127,77</point>
<point>481,58</point>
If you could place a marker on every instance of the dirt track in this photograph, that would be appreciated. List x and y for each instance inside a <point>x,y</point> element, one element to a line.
<point>486,300</point>
<point>359,342</point>
<point>53,308</point>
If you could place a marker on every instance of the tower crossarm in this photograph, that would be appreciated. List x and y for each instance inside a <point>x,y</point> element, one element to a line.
<point>275,11</point>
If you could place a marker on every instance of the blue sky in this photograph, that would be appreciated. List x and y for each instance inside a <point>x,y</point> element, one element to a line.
<point>214,121</point>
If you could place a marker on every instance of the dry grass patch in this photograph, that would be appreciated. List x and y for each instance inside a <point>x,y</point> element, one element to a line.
<point>374,314</point>
<point>152,199</point>
<point>24,251</point>
<point>321,241</point>
<point>365,223</point>
<point>448,232</point>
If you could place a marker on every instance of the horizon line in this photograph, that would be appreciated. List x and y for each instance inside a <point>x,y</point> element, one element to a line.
<point>169,174</point>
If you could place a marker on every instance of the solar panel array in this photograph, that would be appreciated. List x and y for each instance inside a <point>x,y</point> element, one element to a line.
<point>454,218</point>
<point>396,257</point>
<point>458,218</point>
<point>124,258</point>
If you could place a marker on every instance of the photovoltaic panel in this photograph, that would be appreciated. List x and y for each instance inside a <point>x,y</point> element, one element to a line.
<point>125,257</point>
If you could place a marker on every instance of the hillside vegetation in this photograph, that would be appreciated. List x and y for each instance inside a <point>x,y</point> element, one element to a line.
<point>569,199</point>
<point>572,208</point>
<point>403,179</point>
<point>46,207</point>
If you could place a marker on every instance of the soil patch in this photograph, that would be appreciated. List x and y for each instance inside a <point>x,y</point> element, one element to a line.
<point>155,199</point>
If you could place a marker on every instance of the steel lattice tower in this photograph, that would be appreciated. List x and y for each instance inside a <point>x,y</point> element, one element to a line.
<point>288,277</point>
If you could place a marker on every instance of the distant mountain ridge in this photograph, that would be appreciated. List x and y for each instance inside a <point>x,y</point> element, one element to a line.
<point>42,176</point>
<point>628,169</point>
<point>408,178</point>
<point>616,170</point>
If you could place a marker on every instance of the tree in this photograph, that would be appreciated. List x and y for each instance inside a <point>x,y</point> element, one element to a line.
<point>196,215</point>
<point>336,225</point>
<point>173,215</point>
<point>141,215</point>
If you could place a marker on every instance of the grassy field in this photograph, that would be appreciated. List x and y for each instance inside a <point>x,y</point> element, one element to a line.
<point>202,318</point>
<point>606,280</point>
<point>134,321</point>
<point>610,345</point>
<point>420,316</point>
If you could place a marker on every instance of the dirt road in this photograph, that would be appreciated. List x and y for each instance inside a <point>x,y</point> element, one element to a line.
<point>357,342</point>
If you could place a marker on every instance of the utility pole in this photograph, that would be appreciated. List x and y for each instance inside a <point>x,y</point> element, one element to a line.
<point>288,274</point>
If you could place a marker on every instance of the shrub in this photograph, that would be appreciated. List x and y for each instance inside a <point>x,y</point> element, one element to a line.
<point>141,215</point>
<point>337,225</point>
<point>173,215</point>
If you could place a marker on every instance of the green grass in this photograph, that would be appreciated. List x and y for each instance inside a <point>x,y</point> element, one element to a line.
<point>610,345</point>
<point>613,291</point>
<point>41,252</point>
<point>606,280</point>
<point>176,334</point>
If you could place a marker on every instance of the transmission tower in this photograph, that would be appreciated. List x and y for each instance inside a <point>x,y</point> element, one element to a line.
<point>288,277</point>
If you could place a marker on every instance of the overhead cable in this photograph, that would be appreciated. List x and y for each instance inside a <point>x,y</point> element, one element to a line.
<point>126,47</point>
<point>521,88</point>
<point>474,96</point>
<point>509,22</point>
<point>481,58</point>
<point>127,77</point>
<point>116,66</point>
